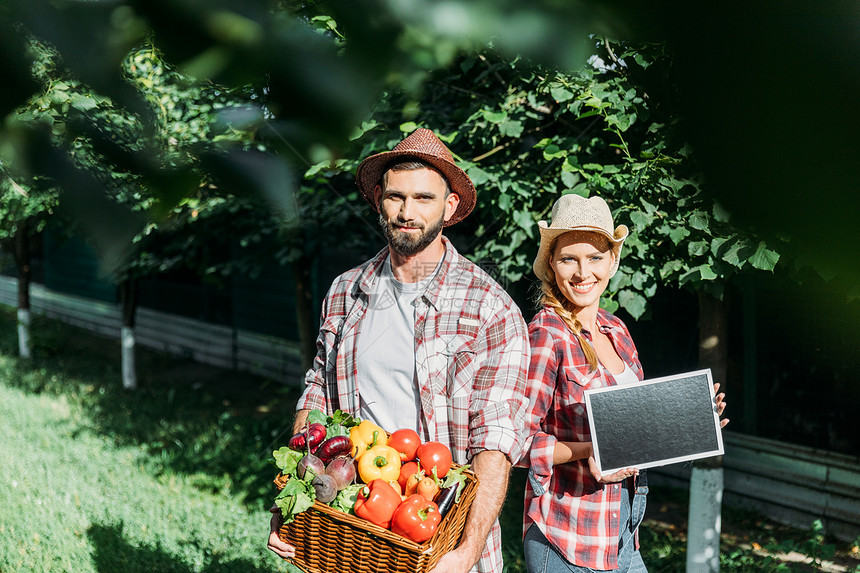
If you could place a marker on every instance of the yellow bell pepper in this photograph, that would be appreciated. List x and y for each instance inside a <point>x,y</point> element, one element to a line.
<point>364,436</point>
<point>379,462</point>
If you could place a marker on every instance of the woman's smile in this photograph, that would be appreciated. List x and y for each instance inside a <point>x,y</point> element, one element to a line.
<point>582,287</point>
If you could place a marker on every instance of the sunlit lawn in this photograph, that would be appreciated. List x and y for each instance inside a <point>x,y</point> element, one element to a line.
<point>93,478</point>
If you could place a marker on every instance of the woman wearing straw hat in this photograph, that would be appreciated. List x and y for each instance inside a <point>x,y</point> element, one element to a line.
<point>576,519</point>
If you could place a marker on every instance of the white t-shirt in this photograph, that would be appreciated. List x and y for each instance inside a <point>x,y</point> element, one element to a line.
<point>626,377</point>
<point>385,361</point>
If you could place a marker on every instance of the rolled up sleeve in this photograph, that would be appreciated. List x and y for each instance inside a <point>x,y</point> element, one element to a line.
<point>314,395</point>
<point>497,408</point>
<point>539,443</point>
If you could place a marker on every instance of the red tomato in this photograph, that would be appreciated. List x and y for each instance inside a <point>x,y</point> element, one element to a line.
<point>406,470</point>
<point>405,441</point>
<point>432,454</point>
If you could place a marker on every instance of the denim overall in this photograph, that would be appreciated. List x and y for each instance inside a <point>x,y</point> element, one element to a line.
<point>542,557</point>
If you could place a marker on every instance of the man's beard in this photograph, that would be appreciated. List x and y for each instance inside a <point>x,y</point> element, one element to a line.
<point>405,244</point>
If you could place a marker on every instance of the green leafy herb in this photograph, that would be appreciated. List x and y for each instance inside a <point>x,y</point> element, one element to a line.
<point>297,496</point>
<point>317,417</point>
<point>287,460</point>
<point>344,419</point>
<point>338,424</point>
<point>456,476</point>
<point>345,500</point>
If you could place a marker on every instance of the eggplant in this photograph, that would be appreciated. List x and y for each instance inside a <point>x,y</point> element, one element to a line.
<point>445,498</point>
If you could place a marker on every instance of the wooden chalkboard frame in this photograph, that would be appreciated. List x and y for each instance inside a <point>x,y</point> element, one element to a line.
<point>655,422</point>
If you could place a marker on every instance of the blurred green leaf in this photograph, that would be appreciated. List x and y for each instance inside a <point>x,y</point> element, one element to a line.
<point>561,94</point>
<point>632,302</point>
<point>764,258</point>
<point>511,128</point>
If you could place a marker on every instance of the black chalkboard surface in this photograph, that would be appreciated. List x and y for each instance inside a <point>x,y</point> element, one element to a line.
<point>655,422</point>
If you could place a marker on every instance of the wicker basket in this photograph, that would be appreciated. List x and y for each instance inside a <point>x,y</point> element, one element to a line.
<point>330,541</point>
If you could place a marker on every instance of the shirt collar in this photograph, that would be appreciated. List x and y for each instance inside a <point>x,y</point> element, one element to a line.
<point>449,262</point>
<point>433,292</point>
<point>372,272</point>
<point>603,324</point>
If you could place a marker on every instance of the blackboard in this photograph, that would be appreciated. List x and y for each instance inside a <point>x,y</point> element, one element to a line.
<point>655,422</point>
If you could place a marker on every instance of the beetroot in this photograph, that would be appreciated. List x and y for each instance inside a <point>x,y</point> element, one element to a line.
<point>310,464</point>
<point>325,488</point>
<point>298,442</point>
<point>342,469</point>
<point>333,447</point>
<point>316,435</point>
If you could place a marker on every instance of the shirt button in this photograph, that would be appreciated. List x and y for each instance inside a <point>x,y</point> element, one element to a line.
<point>614,515</point>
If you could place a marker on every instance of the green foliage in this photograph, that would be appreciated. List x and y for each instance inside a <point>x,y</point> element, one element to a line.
<point>527,134</point>
<point>742,559</point>
<point>27,199</point>
<point>286,459</point>
<point>814,547</point>
<point>324,65</point>
<point>297,496</point>
<point>185,151</point>
<point>23,205</point>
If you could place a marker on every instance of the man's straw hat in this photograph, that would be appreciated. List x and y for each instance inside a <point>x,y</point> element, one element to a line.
<point>576,213</point>
<point>421,144</point>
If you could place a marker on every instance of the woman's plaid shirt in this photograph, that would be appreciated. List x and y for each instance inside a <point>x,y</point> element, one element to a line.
<point>471,352</point>
<point>575,513</point>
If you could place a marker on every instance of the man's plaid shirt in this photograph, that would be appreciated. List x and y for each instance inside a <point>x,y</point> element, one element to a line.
<point>576,514</point>
<point>471,353</point>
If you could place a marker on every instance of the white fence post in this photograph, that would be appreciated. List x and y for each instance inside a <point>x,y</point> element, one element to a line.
<point>129,374</point>
<point>704,520</point>
<point>24,345</point>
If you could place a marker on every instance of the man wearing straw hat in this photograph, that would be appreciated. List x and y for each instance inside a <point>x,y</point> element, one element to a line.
<point>420,337</point>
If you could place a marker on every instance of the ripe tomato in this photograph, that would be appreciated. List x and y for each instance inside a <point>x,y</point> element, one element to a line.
<point>407,470</point>
<point>436,454</point>
<point>405,441</point>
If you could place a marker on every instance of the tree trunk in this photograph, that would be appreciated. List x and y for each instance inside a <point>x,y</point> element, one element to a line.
<point>308,327</point>
<point>706,482</point>
<point>22,260</point>
<point>128,298</point>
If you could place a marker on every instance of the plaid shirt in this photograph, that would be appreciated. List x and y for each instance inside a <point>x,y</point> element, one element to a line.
<point>471,352</point>
<point>575,513</point>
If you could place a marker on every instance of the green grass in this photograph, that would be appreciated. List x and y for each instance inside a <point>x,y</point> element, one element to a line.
<point>72,500</point>
<point>172,477</point>
<point>175,477</point>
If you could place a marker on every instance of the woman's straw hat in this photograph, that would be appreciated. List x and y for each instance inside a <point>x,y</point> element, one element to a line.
<point>421,144</point>
<point>576,213</point>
